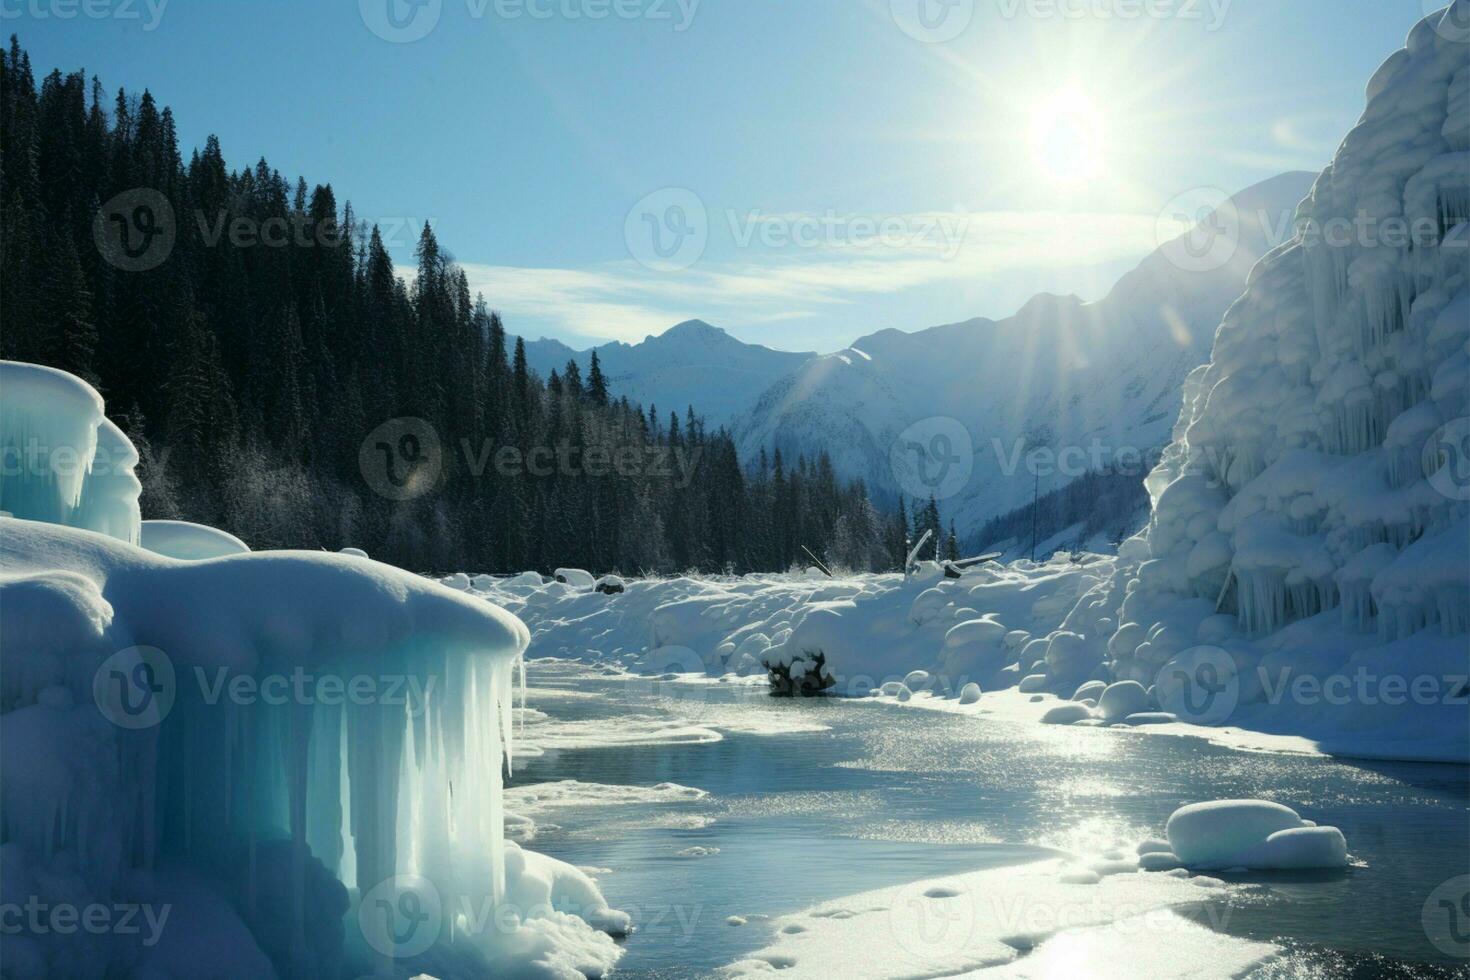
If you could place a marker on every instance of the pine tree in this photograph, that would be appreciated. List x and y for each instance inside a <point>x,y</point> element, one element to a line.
<point>248,376</point>
<point>596,383</point>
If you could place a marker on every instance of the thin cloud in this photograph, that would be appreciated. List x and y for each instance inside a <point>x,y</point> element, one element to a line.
<point>759,284</point>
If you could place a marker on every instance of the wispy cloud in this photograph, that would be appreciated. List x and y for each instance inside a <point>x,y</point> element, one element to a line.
<point>786,267</point>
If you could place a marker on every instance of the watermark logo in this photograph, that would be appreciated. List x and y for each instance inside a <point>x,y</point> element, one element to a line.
<point>135,688</point>
<point>668,230</point>
<point>400,21</point>
<point>1446,917</point>
<point>933,457</point>
<point>932,21</point>
<point>1447,459</point>
<point>1199,230</point>
<point>1453,22</point>
<point>1200,686</point>
<point>932,920</point>
<point>402,459</point>
<point>402,916</point>
<point>941,233</point>
<point>135,230</point>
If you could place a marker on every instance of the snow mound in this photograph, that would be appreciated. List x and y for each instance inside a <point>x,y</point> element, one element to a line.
<point>582,581</point>
<point>1252,834</point>
<point>190,542</point>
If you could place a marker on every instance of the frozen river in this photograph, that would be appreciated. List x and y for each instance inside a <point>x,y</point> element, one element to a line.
<point>814,800</point>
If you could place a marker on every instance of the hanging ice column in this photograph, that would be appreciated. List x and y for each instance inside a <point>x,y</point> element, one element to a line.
<point>63,461</point>
<point>48,435</point>
<point>1317,456</point>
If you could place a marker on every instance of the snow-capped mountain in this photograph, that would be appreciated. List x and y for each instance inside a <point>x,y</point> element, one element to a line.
<point>689,364</point>
<point>951,410</point>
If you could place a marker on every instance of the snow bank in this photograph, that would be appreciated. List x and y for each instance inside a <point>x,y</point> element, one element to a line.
<point>1025,921</point>
<point>264,740</point>
<point>190,542</point>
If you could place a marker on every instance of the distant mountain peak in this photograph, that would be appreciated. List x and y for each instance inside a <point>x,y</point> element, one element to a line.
<point>693,330</point>
<point>691,363</point>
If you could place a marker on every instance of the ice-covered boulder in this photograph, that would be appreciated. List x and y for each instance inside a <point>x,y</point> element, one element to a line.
<point>1090,691</point>
<point>577,578</point>
<point>1122,699</point>
<point>917,680</point>
<point>976,644</point>
<point>1067,713</point>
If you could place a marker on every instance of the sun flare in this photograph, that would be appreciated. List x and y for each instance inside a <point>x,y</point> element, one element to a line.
<point>1068,137</point>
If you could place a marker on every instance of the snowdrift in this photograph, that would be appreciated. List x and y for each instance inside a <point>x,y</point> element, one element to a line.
<point>297,756</point>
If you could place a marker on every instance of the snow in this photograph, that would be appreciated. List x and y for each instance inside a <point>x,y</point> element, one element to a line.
<point>191,542</point>
<point>1039,919</point>
<point>1122,699</point>
<point>1066,714</point>
<point>582,581</point>
<point>691,363</point>
<point>1209,678</point>
<point>1252,835</point>
<point>196,732</point>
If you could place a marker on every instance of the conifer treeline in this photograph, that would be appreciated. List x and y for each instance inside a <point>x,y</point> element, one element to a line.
<point>251,363</point>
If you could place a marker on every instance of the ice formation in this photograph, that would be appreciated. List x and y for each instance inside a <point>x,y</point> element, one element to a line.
<point>1305,474</point>
<point>262,741</point>
<point>65,462</point>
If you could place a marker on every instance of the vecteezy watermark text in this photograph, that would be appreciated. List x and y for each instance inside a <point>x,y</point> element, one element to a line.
<point>676,463</point>
<point>37,917</point>
<point>406,21</point>
<point>150,12</point>
<point>404,458</point>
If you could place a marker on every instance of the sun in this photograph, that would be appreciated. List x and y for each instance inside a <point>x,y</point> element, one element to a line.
<point>1068,137</point>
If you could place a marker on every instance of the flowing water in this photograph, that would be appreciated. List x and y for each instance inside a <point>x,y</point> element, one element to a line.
<point>813,800</point>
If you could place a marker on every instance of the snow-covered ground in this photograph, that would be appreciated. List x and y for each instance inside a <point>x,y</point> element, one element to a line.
<point>1004,628</point>
<point>1121,925</point>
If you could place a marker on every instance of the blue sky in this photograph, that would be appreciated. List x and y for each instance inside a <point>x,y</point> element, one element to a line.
<point>815,169</point>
